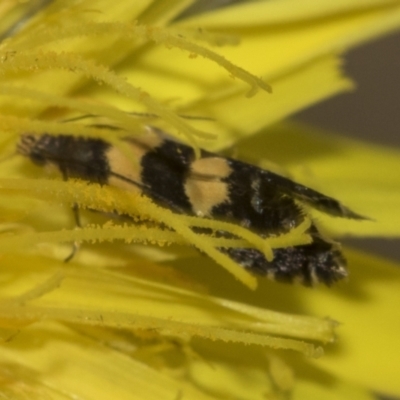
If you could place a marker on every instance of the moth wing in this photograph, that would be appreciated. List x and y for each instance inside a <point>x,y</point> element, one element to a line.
<point>309,196</point>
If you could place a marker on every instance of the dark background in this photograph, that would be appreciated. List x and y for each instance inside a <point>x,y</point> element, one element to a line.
<point>370,113</point>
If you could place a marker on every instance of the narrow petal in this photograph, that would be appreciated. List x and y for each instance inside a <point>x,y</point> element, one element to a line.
<point>366,310</point>
<point>370,324</point>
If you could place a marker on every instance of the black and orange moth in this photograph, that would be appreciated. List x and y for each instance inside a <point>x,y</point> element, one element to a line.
<point>209,186</point>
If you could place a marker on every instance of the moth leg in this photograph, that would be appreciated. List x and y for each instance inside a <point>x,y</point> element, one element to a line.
<point>75,211</point>
<point>75,245</point>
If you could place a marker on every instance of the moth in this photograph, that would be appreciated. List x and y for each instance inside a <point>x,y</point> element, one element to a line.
<point>209,186</point>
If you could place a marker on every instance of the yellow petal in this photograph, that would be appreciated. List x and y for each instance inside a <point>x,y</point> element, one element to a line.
<point>49,360</point>
<point>287,56</point>
<point>57,14</point>
<point>284,11</point>
<point>270,48</point>
<point>96,297</point>
<point>331,391</point>
<point>366,309</point>
<point>59,363</point>
<point>237,116</point>
<point>368,344</point>
<point>71,361</point>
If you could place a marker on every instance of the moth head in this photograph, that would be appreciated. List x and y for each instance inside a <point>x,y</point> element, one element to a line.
<point>30,146</point>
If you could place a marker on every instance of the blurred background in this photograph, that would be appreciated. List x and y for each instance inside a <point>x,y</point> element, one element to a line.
<point>370,113</point>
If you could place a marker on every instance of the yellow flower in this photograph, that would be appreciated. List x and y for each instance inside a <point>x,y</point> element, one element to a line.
<point>122,321</point>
